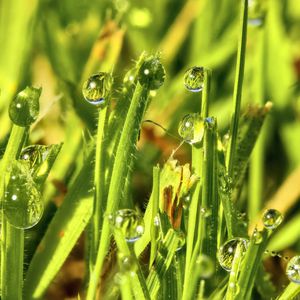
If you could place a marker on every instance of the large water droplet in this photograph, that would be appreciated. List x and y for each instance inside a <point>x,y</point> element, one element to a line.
<point>227,251</point>
<point>191,128</point>
<point>151,73</point>
<point>293,269</point>
<point>130,222</point>
<point>272,218</point>
<point>256,13</point>
<point>194,79</point>
<point>97,88</point>
<point>22,204</point>
<point>24,109</point>
<point>205,265</point>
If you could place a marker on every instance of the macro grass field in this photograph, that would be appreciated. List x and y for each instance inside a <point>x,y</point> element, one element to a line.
<point>150,149</point>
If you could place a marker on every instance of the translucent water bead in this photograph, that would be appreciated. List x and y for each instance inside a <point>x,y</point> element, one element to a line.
<point>97,88</point>
<point>205,265</point>
<point>22,204</point>
<point>130,222</point>
<point>151,73</point>
<point>272,218</point>
<point>293,269</point>
<point>227,251</point>
<point>194,79</point>
<point>191,128</point>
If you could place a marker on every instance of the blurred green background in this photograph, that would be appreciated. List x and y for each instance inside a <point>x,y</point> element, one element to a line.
<point>57,44</point>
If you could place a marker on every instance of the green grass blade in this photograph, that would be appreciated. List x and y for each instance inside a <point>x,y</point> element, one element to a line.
<point>237,93</point>
<point>125,148</point>
<point>163,261</point>
<point>60,236</point>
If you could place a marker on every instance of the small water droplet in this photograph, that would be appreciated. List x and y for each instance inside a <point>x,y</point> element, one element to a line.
<point>181,239</point>
<point>23,206</point>
<point>127,263</point>
<point>234,287</point>
<point>151,73</point>
<point>194,79</point>
<point>130,222</point>
<point>256,13</point>
<point>191,128</point>
<point>293,269</point>
<point>257,236</point>
<point>227,251</point>
<point>156,221</point>
<point>272,218</point>
<point>186,201</point>
<point>129,78</point>
<point>206,266</point>
<point>97,88</point>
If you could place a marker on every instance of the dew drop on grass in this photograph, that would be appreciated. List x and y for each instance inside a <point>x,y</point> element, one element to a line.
<point>97,88</point>
<point>205,265</point>
<point>129,78</point>
<point>257,236</point>
<point>151,74</point>
<point>22,206</point>
<point>227,251</point>
<point>194,79</point>
<point>130,222</point>
<point>256,13</point>
<point>127,263</point>
<point>24,108</point>
<point>293,269</point>
<point>181,240</point>
<point>191,128</point>
<point>272,218</point>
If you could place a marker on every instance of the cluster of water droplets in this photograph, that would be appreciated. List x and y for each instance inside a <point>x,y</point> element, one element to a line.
<point>227,251</point>
<point>129,222</point>
<point>22,205</point>
<point>191,128</point>
<point>96,88</point>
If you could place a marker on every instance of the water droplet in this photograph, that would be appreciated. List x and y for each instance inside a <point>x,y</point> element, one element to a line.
<point>191,128</point>
<point>129,222</point>
<point>35,155</point>
<point>186,201</point>
<point>227,251</point>
<point>24,109</point>
<point>151,73</point>
<point>22,204</point>
<point>97,88</point>
<point>127,263</point>
<point>206,266</point>
<point>256,13</point>
<point>129,78</point>
<point>234,287</point>
<point>156,221</point>
<point>181,240</point>
<point>257,236</point>
<point>293,269</point>
<point>272,218</point>
<point>194,79</point>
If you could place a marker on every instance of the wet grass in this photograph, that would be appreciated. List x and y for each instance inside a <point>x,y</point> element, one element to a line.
<point>192,197</point>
